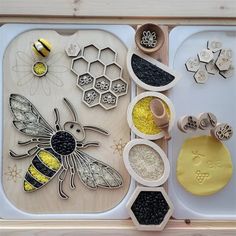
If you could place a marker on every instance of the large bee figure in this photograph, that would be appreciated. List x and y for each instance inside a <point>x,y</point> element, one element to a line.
<point>58,150</point>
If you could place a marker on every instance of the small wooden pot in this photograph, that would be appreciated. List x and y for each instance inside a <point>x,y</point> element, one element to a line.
<point>160,37</point>
<point>159,151</point>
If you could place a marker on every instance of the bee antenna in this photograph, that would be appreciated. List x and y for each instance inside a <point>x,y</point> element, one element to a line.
<point>71,108</point>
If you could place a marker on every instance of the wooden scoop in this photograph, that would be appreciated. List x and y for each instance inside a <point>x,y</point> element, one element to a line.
<point>160,116</point>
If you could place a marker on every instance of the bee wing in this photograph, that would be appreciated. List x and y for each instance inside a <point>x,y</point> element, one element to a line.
<point>27,119</point>
<point>94,173</point>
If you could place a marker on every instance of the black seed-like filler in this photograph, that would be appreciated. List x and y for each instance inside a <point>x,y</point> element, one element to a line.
<point>32,181</point>
<point>42,168</point>
<point>150,208</point>
<point>149,73</point>
<point>63,143</point>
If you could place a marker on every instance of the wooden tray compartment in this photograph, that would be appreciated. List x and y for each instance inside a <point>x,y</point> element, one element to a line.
<point>83,202</point>
<point>125,227</point>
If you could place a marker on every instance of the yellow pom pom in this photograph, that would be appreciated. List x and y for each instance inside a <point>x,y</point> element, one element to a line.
<point>42,47</point>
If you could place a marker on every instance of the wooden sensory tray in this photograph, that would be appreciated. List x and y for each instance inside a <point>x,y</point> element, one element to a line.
<point>201,98</point>
<point>181,16</point>
<point>61,82</point>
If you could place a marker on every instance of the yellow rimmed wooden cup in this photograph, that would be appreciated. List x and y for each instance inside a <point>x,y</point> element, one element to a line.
<point>140,118</point>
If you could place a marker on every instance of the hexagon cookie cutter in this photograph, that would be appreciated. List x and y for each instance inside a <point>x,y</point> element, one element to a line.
<point>99,75</point>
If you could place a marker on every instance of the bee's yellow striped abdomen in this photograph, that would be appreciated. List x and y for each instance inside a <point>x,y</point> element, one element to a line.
<point>28,187</point>
<point>49,160</point>
<point>43,168</point>
<point>37,175</point>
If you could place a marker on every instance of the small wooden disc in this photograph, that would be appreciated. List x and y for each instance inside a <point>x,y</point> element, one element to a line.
<point>228,73</point>
<point>214,45</point>
<point>205,56</point>
<point>193,64</point>
<point>187,123</point>
<point>207,120</point>
<point>212,68</point>
<point>201,76</point>
<point>222,132</point>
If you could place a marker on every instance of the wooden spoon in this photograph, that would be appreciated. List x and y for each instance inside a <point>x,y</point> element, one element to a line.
<point>160,116</point>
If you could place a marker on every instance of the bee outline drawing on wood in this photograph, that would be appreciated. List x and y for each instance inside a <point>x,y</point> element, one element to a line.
<point>57,151</point>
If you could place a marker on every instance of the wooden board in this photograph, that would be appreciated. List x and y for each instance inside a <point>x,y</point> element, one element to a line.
<point>131,8</point>
<point>82,199</point>
<point>123,227</point>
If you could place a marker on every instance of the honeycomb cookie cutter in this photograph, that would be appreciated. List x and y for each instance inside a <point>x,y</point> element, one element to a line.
<point>99,76</point>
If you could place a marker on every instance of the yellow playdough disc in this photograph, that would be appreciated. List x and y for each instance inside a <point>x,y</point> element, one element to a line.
<point>204,165</point>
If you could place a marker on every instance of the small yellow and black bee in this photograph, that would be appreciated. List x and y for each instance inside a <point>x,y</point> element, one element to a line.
<point>59,150</point>
<point>42,47</point>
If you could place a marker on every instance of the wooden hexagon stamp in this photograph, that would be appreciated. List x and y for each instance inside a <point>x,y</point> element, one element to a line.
<point>214,45</point>
<point>228,73</point>
<point>201,76</point>
<point>205,56</point>
<point>212,68</point>
<point>72,49</point>
<point>193,64</point>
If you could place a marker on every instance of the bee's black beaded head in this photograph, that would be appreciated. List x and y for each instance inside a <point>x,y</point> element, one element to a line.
<point>63,143</point>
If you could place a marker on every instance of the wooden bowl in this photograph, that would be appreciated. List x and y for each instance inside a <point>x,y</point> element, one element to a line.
<point>131,124</point>
<point>163,69</point>
<point>149,227</point>
<point>135,175</point>
<point>160,37</point>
